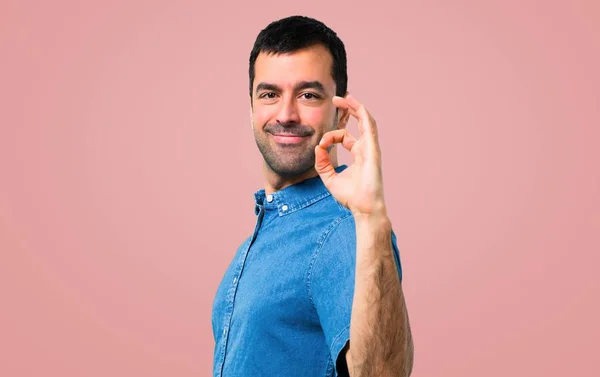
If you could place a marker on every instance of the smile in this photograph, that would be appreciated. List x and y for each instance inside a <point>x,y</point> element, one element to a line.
<point>288,139</point>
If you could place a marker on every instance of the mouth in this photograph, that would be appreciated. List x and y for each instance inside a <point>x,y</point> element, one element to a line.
<point>288,138</point>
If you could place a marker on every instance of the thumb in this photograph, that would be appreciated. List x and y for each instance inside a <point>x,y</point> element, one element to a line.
<point>323,164</point>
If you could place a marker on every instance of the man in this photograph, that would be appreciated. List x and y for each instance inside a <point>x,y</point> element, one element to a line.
<point>316,289</point>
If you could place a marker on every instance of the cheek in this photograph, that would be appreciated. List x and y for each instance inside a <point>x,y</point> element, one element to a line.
<point>316,117</point>
<point>261,115</point>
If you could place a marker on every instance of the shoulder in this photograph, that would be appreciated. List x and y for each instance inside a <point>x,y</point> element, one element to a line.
<point>329,218</point>
<point>336,245</point>
<point>340,231</point>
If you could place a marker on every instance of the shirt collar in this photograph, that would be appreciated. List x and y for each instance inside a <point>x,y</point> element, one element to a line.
<point>293,197</point>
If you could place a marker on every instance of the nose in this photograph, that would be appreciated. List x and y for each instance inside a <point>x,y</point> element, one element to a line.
<point>288,111</point>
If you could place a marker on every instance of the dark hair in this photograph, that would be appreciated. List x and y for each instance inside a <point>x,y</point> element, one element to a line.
<point>296,32</point>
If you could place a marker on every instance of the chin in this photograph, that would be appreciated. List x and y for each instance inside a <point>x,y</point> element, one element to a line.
<point>287,162</point>
<point>290,169</point>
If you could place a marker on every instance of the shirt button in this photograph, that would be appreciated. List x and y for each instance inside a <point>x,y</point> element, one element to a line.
<point>284,207</point>
<point>234,280</point>
<point>269,198</point>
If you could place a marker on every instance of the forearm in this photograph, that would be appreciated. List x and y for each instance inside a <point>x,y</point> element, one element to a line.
<point>380,337</point>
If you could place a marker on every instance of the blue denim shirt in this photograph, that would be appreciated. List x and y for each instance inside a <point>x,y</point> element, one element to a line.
<point>283,307</point>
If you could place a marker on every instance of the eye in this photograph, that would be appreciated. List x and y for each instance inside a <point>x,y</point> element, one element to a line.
<point>267,95</point>
<point>310,96</point>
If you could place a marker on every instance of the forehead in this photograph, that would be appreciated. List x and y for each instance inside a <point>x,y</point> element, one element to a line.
<point>312,63</point>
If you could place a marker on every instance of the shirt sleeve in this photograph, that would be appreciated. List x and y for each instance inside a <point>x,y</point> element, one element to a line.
<point>332,283</point>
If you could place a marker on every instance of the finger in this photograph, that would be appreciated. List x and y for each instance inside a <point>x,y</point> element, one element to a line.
<point>353,102</point>
<point>343,103</point>
<point>369,123</point>
<point>323,165</point>
<point>366,123</point>
<point>338,136</point>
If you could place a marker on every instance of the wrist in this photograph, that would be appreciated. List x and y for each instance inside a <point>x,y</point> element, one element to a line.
<point>373,231</point>
<point>378,220</point>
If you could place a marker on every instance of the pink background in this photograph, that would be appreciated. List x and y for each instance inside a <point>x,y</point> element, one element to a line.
<point>127,167</point>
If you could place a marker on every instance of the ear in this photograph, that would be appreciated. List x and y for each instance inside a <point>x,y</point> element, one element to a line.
<point>343,115</point>
<point>251,121</point>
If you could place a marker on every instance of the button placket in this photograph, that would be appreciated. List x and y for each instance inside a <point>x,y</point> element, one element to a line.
<point>233,290</point>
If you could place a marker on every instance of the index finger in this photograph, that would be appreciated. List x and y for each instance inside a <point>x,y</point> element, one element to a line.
<point>366,123</point>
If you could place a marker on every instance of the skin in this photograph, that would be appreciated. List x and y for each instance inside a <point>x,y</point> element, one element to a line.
<point>288,107</point>
<point>380,336</point>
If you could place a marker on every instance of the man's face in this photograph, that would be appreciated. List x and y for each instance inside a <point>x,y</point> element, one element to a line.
<point>292,108</point>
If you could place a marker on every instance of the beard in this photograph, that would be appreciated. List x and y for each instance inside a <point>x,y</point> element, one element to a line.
<point>289,160</point>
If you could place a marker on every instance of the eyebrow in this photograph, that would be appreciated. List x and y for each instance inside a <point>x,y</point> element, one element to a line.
<point>299,86</point>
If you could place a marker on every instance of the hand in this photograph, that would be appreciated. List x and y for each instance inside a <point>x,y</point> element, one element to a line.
<point>360,186</point>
